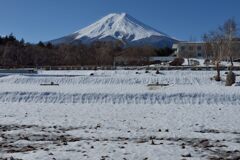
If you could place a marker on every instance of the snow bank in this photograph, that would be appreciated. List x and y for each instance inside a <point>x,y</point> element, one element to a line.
<point>117,87</point>
<point>101,98</point>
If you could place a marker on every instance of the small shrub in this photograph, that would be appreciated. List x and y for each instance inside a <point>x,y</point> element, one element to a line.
<point>207,62</point>
<point>137,73</point>
<point>217,78</point>
<point>177,62</point>
<point>231,78</point>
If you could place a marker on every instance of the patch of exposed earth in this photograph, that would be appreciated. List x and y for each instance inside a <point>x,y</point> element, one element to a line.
<point>17,140</point>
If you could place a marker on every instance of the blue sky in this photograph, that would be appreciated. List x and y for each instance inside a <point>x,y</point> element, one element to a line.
<point>36,20</point>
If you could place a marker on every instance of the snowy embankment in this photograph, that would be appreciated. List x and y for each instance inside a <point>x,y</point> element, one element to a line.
<point>118,87</point>
<point>103,98</point>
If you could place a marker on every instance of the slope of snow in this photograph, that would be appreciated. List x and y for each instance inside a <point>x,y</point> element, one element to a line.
<point>115,115</point>
<point>118,27</point>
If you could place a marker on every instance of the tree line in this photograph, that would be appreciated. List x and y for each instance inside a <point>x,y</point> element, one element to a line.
<point>18,53</point>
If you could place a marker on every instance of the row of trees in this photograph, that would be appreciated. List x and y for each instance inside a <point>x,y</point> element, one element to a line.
<point>222,44</point>
<point>17,53</point>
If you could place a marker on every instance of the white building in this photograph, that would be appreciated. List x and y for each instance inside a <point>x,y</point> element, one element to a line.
<point>190,49</point>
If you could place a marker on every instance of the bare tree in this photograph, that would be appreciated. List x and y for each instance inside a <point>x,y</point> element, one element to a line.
<point>190,54</point>
<point>207,46</point>
<point>218,45</point>
<point>229,29</point>
<point>191,50</point>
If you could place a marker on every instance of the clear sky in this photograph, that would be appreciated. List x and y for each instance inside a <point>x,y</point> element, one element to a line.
<point>36,20</point>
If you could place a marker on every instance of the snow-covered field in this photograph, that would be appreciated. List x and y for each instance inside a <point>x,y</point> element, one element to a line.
<point>116,115</point>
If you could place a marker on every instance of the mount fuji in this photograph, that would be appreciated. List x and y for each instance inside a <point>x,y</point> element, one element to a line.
<point>121,27</point>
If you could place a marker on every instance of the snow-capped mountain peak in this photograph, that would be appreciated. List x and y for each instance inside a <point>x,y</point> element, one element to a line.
<point>117,26</point>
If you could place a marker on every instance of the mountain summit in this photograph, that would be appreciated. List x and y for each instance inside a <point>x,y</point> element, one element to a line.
<point>118,27</point>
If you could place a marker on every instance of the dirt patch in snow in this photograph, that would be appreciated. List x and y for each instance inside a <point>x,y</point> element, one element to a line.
<point>32,138</point>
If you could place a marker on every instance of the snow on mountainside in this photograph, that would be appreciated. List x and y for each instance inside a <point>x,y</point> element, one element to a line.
<point>118,27</point>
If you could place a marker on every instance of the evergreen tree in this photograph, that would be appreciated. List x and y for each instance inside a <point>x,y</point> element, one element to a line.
<point>41,44</point>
